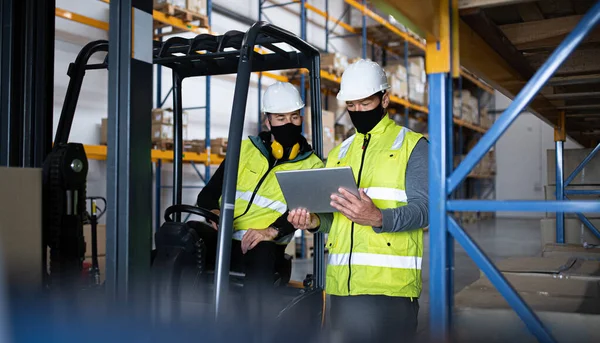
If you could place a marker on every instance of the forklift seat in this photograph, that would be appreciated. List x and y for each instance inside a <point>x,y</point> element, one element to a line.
<point>182,238</point>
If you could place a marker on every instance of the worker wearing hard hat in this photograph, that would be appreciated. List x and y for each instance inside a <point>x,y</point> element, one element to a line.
<point>261,229</point>
<point>375,241</point>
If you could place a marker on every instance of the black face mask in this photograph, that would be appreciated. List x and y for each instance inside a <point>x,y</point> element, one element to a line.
<point>287,135</point>
<point>365,121</point>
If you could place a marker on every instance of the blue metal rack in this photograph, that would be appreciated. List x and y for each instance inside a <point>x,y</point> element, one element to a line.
<point>160,101</point>
<point>443,181</point>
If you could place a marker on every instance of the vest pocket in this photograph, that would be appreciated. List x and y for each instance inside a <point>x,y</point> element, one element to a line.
<point>388,243</point>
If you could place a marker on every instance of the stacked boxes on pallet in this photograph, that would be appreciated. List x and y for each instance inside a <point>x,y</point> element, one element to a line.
<point>397,78</point>
<point>417,81</point>
<point>196,6</point>
<point>162,127</point>
<point>415,88</point>
<point>329,129</point>
<point>468,103</point>
<point>334,63</point>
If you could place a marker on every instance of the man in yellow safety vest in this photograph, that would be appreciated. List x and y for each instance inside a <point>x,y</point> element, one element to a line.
<point>375,241</point>
<point>261,230</point>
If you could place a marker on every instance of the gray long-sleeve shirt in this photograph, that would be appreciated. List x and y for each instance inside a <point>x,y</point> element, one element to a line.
<point>415,214</point>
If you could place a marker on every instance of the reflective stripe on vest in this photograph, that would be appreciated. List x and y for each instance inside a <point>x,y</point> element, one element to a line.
<point>360,260</point>
<point>261,201</point>
<point>376,260</point>
<point>385,193</point>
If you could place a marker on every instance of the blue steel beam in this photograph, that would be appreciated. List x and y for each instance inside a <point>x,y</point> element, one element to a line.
<point>582,165</point>
<point>524,205</point>
<point>560,191</point>
<point>439,275</point>
<point>531,320</point>
<point>541,77</point>
<point>582,192</point>
<point>364,31</point>
<point>588,224</point>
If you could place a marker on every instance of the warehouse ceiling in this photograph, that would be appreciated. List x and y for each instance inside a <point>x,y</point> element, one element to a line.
<point>524,33</point>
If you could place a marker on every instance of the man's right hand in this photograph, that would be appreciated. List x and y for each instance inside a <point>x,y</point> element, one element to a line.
<point>303,220</point>
<point>215,225</point>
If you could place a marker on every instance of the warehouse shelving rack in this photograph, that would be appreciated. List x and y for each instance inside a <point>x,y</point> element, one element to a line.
<point>444,179</point>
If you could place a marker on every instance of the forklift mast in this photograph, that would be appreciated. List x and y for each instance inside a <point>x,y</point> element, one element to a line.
<point>64,186</point>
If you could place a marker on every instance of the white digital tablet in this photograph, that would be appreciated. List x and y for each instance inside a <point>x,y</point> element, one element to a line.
<point>312,188</point>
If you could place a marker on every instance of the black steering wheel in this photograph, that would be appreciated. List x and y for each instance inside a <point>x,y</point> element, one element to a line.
<point>190,209</point>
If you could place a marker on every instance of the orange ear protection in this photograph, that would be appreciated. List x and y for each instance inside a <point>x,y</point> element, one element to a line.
<point>277,150</point>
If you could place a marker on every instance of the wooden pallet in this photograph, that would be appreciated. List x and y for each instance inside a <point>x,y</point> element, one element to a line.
<point>163,144</point>
<point>179,13</point>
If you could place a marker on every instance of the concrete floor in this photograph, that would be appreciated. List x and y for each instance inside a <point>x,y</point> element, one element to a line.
<point>498,238</point>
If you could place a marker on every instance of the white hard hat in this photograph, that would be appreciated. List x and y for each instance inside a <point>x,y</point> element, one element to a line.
<point>362,79</point>
<point>281,97</point>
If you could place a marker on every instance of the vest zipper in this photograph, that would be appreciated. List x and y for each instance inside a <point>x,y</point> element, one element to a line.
<point>362,160</point>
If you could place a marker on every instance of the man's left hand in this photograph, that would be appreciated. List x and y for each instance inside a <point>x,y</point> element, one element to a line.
<point>360,210</point>
<point>253,237</point>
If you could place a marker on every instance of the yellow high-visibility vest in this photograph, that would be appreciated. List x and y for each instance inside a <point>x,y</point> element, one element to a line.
<point>259,200</point>
<point>360,260</point>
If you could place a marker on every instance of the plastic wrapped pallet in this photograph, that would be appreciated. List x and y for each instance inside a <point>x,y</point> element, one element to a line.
<point>417,91</point>
<point>165,116</point>
<point>334,63</point>
<point>196,6</point>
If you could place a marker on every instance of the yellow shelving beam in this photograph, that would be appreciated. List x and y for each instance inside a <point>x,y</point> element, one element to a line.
<point>99,152</point>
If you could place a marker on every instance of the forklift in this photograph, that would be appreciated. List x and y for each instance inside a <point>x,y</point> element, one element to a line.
<point>180,283</point>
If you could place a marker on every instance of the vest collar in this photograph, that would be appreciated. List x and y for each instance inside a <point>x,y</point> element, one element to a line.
<point>381,127</point>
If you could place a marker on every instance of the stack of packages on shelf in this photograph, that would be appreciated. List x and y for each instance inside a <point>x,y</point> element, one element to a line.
<point>417,81</point>
<point>397,78</point>
<point>468,103</point>
<point>334,63</point>
<point>487,165</point>
<point>218,146</point>
<point>329,129</point>
<point>485,119</point>
<point>196,6</point>
<point>162,128</point>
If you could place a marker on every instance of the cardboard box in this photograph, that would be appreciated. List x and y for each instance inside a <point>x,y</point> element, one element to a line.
<point>196,6</point>
<point>416,69</point>
<point>166,116</point>
<point>417,92</point>
<point>178,3</point>
<point>104,131</point>
<point>162,132</point>
<point>328,120</point>
<point>101,237</point>
<point>334,63</point>
<point>21,228</point>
